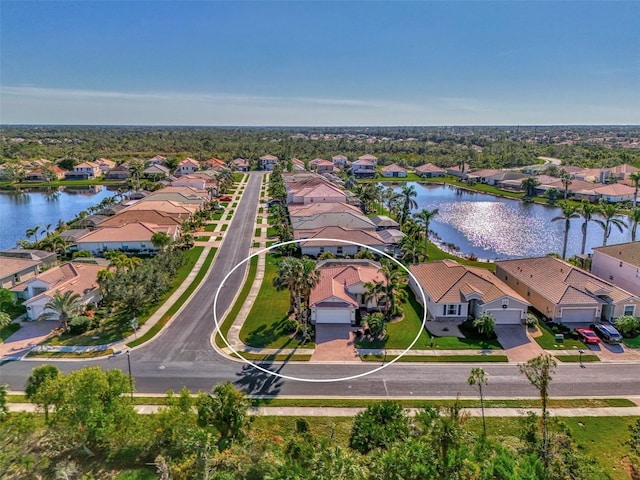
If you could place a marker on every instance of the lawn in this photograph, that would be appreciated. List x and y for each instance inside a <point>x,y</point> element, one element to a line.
<point>437,358</point>
<point>224,227</point>
<point>271,232</point>
<point>548,342</point>
<point>210,227</point>
<point>576,358</point>
<point>9,330</point>
<point>257,232</point>
<point>436,254</point>
<point>202,238</point>
<point>633,342</point>
<point>264,327</point>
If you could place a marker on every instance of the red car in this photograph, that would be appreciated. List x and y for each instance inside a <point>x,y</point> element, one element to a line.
<point>225,199</point>
<point>588,336</point>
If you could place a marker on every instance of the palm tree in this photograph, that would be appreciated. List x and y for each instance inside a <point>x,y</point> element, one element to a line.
<point>136,168</point>
<point>33,232</point>
<point>479,377</point>
<point>529,185</point>
<point>568,212</point>
<point>160,240</point>
<point>5,319</point>
<point>48,229</point>
<point>374,292</point>
<point>610,212</point>
<point>375,323</point>
<point>635,178</point>
<point>395,294</point>
<point>587,210</point>
<point>63,306</point>
<point>635,221</point>
<point>565,178</point>
<point>424,218</point>
<point>408,202</point>
<point>412,250</point>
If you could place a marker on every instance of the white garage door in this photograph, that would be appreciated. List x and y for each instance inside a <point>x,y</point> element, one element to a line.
<point>333,315</point>
<point>505,316</point>
<point>584,315</point>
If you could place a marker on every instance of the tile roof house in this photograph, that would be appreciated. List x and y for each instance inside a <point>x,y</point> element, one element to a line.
<point>167,206</point>
<point>622,172</point>
<point>121,172</point>
<point>193,180</point>
<point>382,222</point>
<point>620,265</point>
<point>46,258</point>
<point>616,192</point>
<point>321,191</point>
<point>240,164</point>
<point>143,216</point>
<point>135,236</point>
<point>454,292</point>
<point>430,170</point>
<point>213,162</point>
<point>341,291</point>
<point>565,293</point>
<point>298,164</point>
<point>16,270</point>
<point>459,172</point>
<point>187,166</point>
<point>157,171</point>
<point>105,164</point>
<point>337,219</point>
<point>40,174</point>
<point>322,166</point>
<point>329,240</point>
<point>310,209</point>
<point>80,278</point>
<point>88,169</point>
<point>339,160</point>
<point>268,162</point>
<point>394,170</point>
<point>364,166</point>
<point>157,160</point>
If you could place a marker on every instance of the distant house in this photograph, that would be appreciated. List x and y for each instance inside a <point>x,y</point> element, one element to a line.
<point>156,172</point>
<point>86,171</point>
<point>322,166</point>
<point>187,166</point>
<point>78,278</point>
<point>213,163</point>
<point>135,236</point>
<point>565,293</point>
<point>364,166</point>
<point>622,172</point>
<point>341,291</point>
<point>339,161</point>
<point>191,180</point>
<point>157,160</point>
<point>328,240</point>
<point>240,164</point>
<point>47,259</point>
<point>454,292</point>
<point>16,270</point>
<point>337,219</point>
<point>394,170</point>
<point>268,162</point>
<point>429,170</point>
<point>45,174</point>
<point>105,164</point>
<point>120,172</point>
<point>315,192</point>
<point>298,164</point>
<point>459,171</point>
<point>620,265</point>
<point>615,193</point>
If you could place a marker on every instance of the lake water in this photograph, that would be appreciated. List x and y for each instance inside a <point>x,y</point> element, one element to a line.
<point>493,227</point>
<point>22,210</point>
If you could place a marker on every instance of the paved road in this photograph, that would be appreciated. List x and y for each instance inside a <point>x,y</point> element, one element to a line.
<point>182,355</point>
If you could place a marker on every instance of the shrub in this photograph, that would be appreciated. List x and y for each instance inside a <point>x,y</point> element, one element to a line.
<point>485,325</point>
<point>81,254</point>
<point>290,325</point>
<point>80,324</point>
<point>628,326</point>
<point>531,320</point>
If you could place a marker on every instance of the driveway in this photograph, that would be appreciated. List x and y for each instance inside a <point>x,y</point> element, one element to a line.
<point>518,346</point>
<point>334,343</point>
<point>29,335</point>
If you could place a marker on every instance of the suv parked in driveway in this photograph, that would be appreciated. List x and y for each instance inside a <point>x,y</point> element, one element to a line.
<point>607,333</point>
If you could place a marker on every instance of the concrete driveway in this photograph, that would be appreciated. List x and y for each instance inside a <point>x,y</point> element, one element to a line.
<point>518,346</point>
<point>334,343</point>
<point>29,335</point>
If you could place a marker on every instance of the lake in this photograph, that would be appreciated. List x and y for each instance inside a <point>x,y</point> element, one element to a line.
<point>494,227</point>
<point>26,209</point>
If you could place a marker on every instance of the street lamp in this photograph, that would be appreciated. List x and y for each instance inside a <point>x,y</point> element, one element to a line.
<point>130,377</point>
<point>581,352</point>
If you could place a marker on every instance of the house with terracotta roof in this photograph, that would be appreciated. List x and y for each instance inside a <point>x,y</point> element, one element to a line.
<point>167,206</point>
<point>156,172</point>
<point>620,265</point>
<point>241,164</point>
<point>134,236</point>
<point>315,192</point>
<point>105,164</point>
<point>458,170</point>
<point>80,278</point>
<point>310,209</point>
<point>364,166</point>
<point>321,165</point>
<point>16,270</point>
<point>328,239</point>
<point>394,170</point>
<point>615,193</point>
<point>143,216</point>
<point>268,162</point>
<point>85,170</point>
<point>187,166</point>
<point>348,220</point>
<point>565,293</point>
<point>157,160</point>
<point>339,161</point>
<point>429,170</point>
<point>213,162</point>
<point>121,172</point>
<point>298,164</point>
<point>454,292</point>
<point>341,292</point>
<point>41,174</point>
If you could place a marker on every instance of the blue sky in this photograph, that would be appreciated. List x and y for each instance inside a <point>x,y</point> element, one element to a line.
<point>320,63</point>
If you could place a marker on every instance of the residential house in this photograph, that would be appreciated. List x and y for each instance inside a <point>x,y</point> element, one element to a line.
<point>45,174</point>
<point>135,236</point>
<point>268,162</point>
<point>90,221</point>
<point>364,166</point>
<point>348,220</point>
<point>322,166</point>
<point>16,270</point>
<point>339,161</point>
<point>454,292</point>
<point>622,172</point>
<point>620,265</point>
<point>429,170</point>
<point>382,222</point>
<point>142,216</point>
<point>156,172</point>
<point>187,166</point>
<point>394,170</point>
<point>298,164</point>
<point>311,209</point>
<point>214,163</point>
<point>157,160</point>
<point>47,259</point>
<point>241,165</point>
<point>337,240</point>
<point>615,193</point>
<point>315,191</point>
<point>341,292</point>
<point>192,180</point>
<point>105,164</point>
<point>78,278</point>
<point>565,293</point>
<point>85,171</point>
<point>121,172</point>
<point>459,171</point>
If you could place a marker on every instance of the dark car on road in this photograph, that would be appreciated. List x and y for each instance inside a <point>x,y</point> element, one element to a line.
<point>607,333</point>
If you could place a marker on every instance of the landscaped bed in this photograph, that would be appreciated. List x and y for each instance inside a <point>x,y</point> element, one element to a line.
<point>548,341</point>
<point>435,358</point>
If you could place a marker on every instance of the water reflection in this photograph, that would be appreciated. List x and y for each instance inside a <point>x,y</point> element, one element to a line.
<point>492,227</point>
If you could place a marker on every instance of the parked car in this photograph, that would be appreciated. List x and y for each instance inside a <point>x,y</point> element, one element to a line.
<point>588,336</point>
<point>607,333</point>
<point>272,202</point>
<point>224,199</point>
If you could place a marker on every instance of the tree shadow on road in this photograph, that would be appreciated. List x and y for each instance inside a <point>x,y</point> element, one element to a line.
<point>256,382</point>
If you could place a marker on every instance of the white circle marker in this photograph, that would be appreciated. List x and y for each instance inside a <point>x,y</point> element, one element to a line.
<point>317,380</point>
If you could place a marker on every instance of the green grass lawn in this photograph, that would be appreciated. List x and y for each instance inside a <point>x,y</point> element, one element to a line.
<point>436,254</point>
<point>436,358</point>
<point>548,342</point>
<point>264,328</point>
<point>633,342</point>
<point>101,353</point>
<point>257,232</point>
<point>9,330</point>
<point>203,238</point>
<point>271,232</point>
<point>210,227</point>
<point>576,358</point>
<point>224,227</point>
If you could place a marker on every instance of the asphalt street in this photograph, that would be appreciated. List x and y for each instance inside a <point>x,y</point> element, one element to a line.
<point>182,355</point>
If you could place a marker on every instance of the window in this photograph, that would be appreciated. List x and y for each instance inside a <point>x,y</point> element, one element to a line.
<point>505,302</point>
<point>321,249</point>
<point>339,250</point>
<point>453,309</point>
<point>630,310</point>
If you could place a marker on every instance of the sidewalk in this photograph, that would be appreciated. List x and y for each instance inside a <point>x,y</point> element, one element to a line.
<point>352,412</point>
